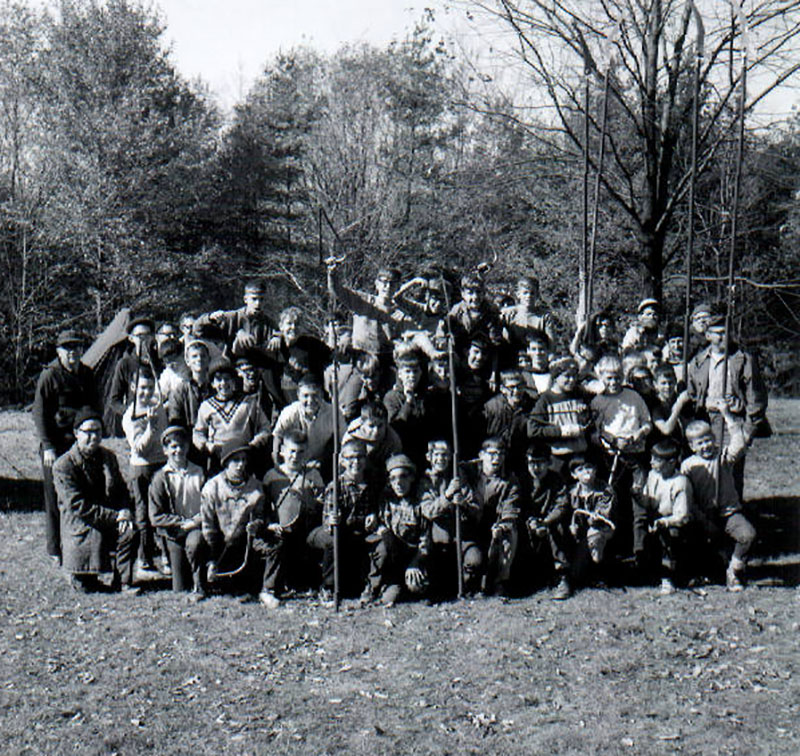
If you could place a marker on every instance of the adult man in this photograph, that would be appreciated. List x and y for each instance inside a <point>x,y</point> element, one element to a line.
<point>64,386</point>
<point>96,517</point>
<point>645,330</point>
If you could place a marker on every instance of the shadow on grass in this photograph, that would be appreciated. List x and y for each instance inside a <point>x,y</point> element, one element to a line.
<point>20,495</point>
<point>776,553</point>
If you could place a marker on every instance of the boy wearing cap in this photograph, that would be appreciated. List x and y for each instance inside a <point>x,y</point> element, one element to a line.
<point>592,506</point>
<point>356,515</point>
<point>64,386</point>
<point>174,508</point>
<point>96,518</point>
<point>142,423</point>
<point>441,497</point>
<point>645,329</point>
<point>233,515</point>
<point>705,469</point>
<point>663,509</point>
<point>397,559</point>
<point>228,414</point>
<point>546,513</point>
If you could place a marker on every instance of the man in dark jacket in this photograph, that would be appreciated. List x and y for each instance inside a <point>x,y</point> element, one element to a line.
<point>96,517</point>
<point>64,386</point>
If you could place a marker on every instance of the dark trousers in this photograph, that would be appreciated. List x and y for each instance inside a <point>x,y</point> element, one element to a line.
<point>389,558</point>
<point>187,555</point>
<point>141,475</point>
<point>260,565</point>
<point>52,515</point>
<point>628,483</point>
<point>353,555</point>
<point>722,437</point>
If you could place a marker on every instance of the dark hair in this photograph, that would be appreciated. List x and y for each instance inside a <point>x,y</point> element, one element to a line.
<point>296,436</point>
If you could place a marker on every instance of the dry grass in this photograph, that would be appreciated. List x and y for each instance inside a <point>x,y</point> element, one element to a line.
<point>617,671</point>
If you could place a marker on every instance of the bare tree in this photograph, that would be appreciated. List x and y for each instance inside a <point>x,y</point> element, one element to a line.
<point>646,52</point>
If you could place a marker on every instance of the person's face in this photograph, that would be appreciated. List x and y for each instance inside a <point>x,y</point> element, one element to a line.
<point>167,332</point>
<point>309,399</point>
<point>700,322</point>
<point>537,468</point>
<point>236,467</point>
<point>716,338</point>
<point>651,359</point>
<point>492,461</point>
<point>439,457</point>
<point>665,387</point>
<point>537,352</point>
<point>440,369</point>
<point>370,382</point>
<point>512,389</point>
<point>224,386</point>
<point>612,380</point>
<point>176,448</point>
<point>641,380</point>
<point>344,336</point>
<point>435,301</point>
<point>605,329</point>
<point>373,428</point>
<point>525,295</point>
<point>566,381</point>
<point>247,375</point>
<point>141,337</point>
<point>69,355</point>
<point>704,446</point>
<point>88,436</point>
<point>187,324</point>
<point>401,479</point>
<point>675,347</point>
<point>385,287</point>
<point>664,467</point>
<point>253,302</point>
<point>145,390</point>
<point>476,357</point>
<point>409,376</point>
<point>197,360</point>
<point>294,454</point>
<point>354,463</point>
<point>472,297</point>
<point>649,317</point>
<point>290,329</point>
<point>585,474</point>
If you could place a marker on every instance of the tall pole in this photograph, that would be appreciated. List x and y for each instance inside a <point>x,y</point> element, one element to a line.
<point>699,53</point>
<point>335,410</point>
<point>583,310</point>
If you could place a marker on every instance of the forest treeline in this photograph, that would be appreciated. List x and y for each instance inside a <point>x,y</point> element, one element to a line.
<point>123,184</point>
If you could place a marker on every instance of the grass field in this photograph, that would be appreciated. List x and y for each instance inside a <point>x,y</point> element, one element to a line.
<point>607,672</point>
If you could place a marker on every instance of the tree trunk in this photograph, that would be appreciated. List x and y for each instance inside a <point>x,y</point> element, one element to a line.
<point>653,259</point>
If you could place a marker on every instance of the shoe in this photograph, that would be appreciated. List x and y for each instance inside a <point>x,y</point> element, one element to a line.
<point>667,587</point>
<point>733,581</point>
<point>84,583</point>
<point>563,590</point>
<point>269,600</point>
<point>390,595</point>
<point>325,596</point>
<point>197,594</point>
<point>126,589</point>
<point>367,595</point>
<point>164,567</point>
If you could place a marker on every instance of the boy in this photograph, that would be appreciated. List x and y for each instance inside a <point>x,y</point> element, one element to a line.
<point>143,423</point>
<point>473,314</point>
<point>668,406</point>
<point>723,514</point>
<point>663,509</point>
<point>174,508</point>
<point>495,530</point>
<point>175,371</point>
<point>399,554</point>
<point>380,439</point>
<point>441,497</point>
<point>561,415</point>
<point>622,423</point>
<point>185,399</point>
<point>406,406</point>
<point>294,492</point>
<point>506,415</point>
<point>645,330</point>
<point>356,516</point>
<point>539,378</point>
<point>521,318</point>
<point>546,513</point>
<point>232,512</point>
<point>227,414</point>
<point>592,506</point>
<point>472,382</point>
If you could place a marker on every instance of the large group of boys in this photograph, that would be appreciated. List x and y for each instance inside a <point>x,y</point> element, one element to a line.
<point>571,467</point>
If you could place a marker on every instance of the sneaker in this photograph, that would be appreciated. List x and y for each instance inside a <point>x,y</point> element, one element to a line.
<point>269,600</point>
<point>563,590</point>
<point>390,595</point>
<point>126,589</point>
<point>164,567</point>
<point>667,587</point>
<point>733,581</point>
<point>367,595</point>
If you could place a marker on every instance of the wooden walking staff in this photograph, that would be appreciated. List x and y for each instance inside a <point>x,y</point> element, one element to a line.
<point>331,263</point>
<point>739,12</point>
<point>699,54</point>
<point>451,366</point>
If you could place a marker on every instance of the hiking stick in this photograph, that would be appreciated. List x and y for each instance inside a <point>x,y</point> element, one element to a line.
<point>451,366</point>
<point>335,410</point>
